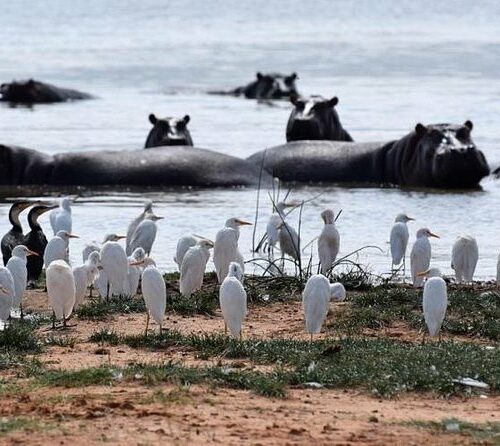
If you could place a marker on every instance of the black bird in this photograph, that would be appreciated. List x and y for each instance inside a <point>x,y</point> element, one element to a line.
<point>36,241</point>
<point>15,236</point>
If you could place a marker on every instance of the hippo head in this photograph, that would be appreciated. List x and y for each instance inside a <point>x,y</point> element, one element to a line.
<point>446,155</point>
<point>22,91</point>
<point>169,132</point>
<point>272,86</point>
<point>315,118</point>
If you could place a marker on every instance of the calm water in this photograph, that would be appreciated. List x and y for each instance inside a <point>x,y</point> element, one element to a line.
<point>391,63</point>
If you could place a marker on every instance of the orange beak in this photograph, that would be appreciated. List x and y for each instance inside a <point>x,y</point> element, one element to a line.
<point>431,234</point>
<point>422,274</point>
<point>119,237</point>
<point>244,223</point>
<point>29,252</point>
<point>73,236</point>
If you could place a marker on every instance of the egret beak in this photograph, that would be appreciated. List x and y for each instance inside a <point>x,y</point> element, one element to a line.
<point>211,243</point>
<point>3,289</point>
<point>243,222</point>
<point>410,218</point>
<point>431,234</point>
<point>73,236</point>
<point>137,263</point>
<point>423,273</point>
<point>119,237</point>
<point>29,252</point>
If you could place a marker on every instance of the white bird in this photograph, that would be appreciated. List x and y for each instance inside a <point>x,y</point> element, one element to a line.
<point>435,300</point>
<point>272,231</point>
<point>328,242</point>
<point>399,239</point>
<point>289,241</point>
<point>61,290</point>
<point>154,291</point>
<point>17,267</point>
<point>498,271</point>
<point>60,218</point>
<point>316,301</point>
<point>420,256</point>
<point>114,263</point>
<point>183,244</point>
<point>57,248</point>
<point>84,276</point>
<point>464,257</point>
<point>144,234</point>
<point>193,267</point>
<point>233,300</point>
<point>226,247</point>
<point>91,247</point>
<point>148,208</point>
<point>7,291</point>
<point>134,271</point>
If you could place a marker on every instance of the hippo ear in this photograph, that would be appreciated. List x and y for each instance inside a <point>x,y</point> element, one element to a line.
<point>259,75</point>
<point>294,98</point>
<point>420,129</point>
<point>469,125</point>
<point>31,83</point>
<point>153,119</point>
<point>333,101</point>
<point>293,76</point>
<point>186,119</point>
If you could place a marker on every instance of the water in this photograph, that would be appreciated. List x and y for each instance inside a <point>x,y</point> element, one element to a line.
<point>391,63</point>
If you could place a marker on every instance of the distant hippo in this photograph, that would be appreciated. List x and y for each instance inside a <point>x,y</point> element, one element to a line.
<point>155,167</point>
<point>168,132</point>
<point>439,156</point>
<point>267,86</point>
<point>35,92</point>
<point>315,118</point>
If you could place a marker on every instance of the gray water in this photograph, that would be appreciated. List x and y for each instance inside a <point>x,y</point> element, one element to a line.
<point>391,63</point>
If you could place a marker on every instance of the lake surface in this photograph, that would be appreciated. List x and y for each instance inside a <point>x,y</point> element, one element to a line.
<point>391,63</point>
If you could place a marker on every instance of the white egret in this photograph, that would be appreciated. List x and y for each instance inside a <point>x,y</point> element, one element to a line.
<point>233,300</point>
<point>84,276</point>
<point>464,257</point>
<point>328,242</point>
<point>134,271</point>
<point>226,247</point>
<point>91,247</point>
<point>114,263</point>
<point>60,218</point>
<point>399,240</point>
<point>272,231</point>
<point>15,235</point>
<point>435,300</point>
<point>57,248</point>
<point>7,291</point>
<point>316,301</point>
<point>193,267</point>
<point>420,256</point>
<point>154,291</point>
<point>148,208</point>
<point>17,267</point>
<point>183,244</point>
<point>61,290</point>
<point>289,241</point>
<point>144,234</point>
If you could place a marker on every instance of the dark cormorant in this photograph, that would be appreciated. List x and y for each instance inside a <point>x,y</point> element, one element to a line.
<point>15,236</point>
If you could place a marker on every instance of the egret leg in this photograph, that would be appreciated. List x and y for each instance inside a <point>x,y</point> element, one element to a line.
<point>423,338</point>
<point>21,308</point>
<point>225,328</point>
<point>160,329</point>
<point>53,320</point>
<point>147,324</point>
<point>404,267</point>
<point>311,338</point>
<point>107,291</point>
<point>241,335</point>
<point>64,322</point>
<point>91,287</point>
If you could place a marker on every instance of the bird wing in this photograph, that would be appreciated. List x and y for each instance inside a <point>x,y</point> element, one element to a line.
<point>289,241</point>
<point>399,242</point>
<point>154,292</point>
<point>434,304</point>
<point>316,302</point>
<point>420,257</point>
<point>233,304</point>
<point>183,245</point>
<point>225,251</point>
<point>63,222</point>
<point>192,270</point>
<point>144,236</point>
<point>53,217</point>
<point>328,247</point>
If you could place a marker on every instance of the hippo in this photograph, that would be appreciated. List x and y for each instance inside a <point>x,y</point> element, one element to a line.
<point>155,167</point>
<point>35,92</point>
<point>433,156</point>
<point>168,132</point>
<point>315,118</point>
<point>267,86</point>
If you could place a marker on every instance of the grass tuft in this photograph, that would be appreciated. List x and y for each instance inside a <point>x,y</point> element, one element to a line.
<point>19,337</point>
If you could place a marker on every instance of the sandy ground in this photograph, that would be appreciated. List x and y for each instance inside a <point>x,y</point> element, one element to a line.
<point>129,413</point>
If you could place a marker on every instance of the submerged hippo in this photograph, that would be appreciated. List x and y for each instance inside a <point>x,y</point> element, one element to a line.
<point>35,92</point>
<point>168,132</point>
<point>177,166</point>
<point>267,86</point>
<point>439,155</point>
<point>315,118</point>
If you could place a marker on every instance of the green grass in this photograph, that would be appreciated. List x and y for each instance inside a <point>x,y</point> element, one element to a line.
<point>77,378</point>
<point>100,309</point>
<point>19,337</point>
<point>61,341</point>
<point>11,424</point>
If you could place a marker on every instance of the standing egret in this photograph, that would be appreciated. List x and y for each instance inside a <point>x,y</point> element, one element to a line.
<point>154,291</point>
<point>84,276</point>
<point>144,234</point>
<point>60,218</point>
<point>420,256</point>
<point>91,247</point>
<point>316,301</point>
<point>435,300</point>
<point>193,267</point>
<point>61,290</point>
<point>272,231</point>
<point>134,271</point>
<point>464,257</point>
<point>15,235</point>
<point>36,241</point>
<point>148,209</point>
<point>17,267</point>
<point>115,265</point>
<point>57,248</point>
<point>226,247</point>
<point>399,240</point>
<point>328,242</point>
<point>184,243</point>
<point>7,291</point>
<point>289,241</point>
<point>233,300</point>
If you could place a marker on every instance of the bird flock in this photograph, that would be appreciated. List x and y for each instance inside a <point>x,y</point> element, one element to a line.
<point>114,270</point>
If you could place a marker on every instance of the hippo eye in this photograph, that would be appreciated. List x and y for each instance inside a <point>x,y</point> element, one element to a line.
<point>463,133</point>
<point>181,125</point>
<point>299,105</point>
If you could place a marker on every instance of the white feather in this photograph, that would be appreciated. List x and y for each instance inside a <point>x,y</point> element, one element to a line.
<point>61,288</point>
<point>6,295</point>
<point>435,302</point>
<point>316,302</point>
<point>155,293</point>
<point>233,304</point>
<point>193,268</point>
<point>464,257</point>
